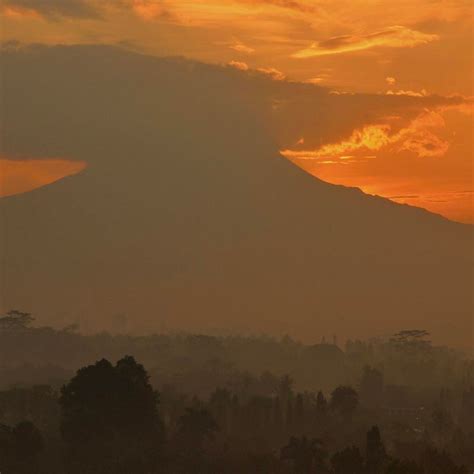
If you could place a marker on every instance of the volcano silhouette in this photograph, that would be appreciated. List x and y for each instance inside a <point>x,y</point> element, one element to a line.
<point>187,216</point>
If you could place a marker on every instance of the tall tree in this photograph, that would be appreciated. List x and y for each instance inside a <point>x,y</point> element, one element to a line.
<point>20,448</point>
<point>371,386</point>
<point>110,421</point>
<point>440,462</point>
<point>375,456</point>
<point>321,404</point>
<point>195,427</point>
<point>344,400</point>
<point>306,455</point>
<point>348,461</point>
<point>219,404</point>
<point>397,466</point>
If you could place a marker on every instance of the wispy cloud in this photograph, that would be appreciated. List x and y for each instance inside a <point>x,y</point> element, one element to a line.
<point>242,48</point>
<point>287,4</point>
<point>393,37</point>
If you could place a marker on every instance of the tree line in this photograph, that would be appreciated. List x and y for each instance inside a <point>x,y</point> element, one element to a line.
<point>110,419</point>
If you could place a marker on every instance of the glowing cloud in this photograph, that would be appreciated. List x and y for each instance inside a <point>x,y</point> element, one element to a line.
<point>242,48</point>
<point>148,10</point>
<point>371,137</point>
<point>238,65</point>
<point>393,37</point>
<point>422,93</point>
<point>21,176</point>
<point>417,138</point>
<point>273,73</point>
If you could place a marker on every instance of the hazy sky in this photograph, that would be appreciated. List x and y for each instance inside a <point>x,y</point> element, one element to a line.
<point>406,48</point>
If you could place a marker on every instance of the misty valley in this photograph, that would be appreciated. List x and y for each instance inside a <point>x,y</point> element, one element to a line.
<point>190,403</point>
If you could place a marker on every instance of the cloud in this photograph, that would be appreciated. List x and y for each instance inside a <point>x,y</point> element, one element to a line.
<point>392,37</point>
<point>238,65</point>
<point>321,77</point>
<point>422,93</point>
<point>52,9</point>
<point>287,4</point>
<point>149,9</point>
<point>390,80</point>
<point>242,48</point>
<point>273,73</point>
<point>370,137</point>
<point>417,138</point>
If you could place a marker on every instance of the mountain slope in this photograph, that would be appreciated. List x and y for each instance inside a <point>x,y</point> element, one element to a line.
<point>188,217</point>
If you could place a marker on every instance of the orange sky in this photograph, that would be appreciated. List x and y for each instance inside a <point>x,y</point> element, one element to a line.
<point>20,176</point>
<point>410,47</point>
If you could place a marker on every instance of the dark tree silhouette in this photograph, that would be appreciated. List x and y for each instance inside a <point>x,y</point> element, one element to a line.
<point>371,386</point>
<point>20,447</point>
<point>467,409</point>
<point>348,461</point>
<point>442,424</point>
<point>109,419</point>
<point>375,456</point>
<point>306,455</point>
<point>277,414</point>
<point>219,404</point>
<point>321,404</point>
<point>285,389</point>
<point>196,427</point>
<point>397,466</point>
<point>299,419</point>
<point>440,462</point>
<point>344,400</point>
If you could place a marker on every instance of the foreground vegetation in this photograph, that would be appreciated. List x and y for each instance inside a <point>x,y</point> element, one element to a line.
<point>231,405</point>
